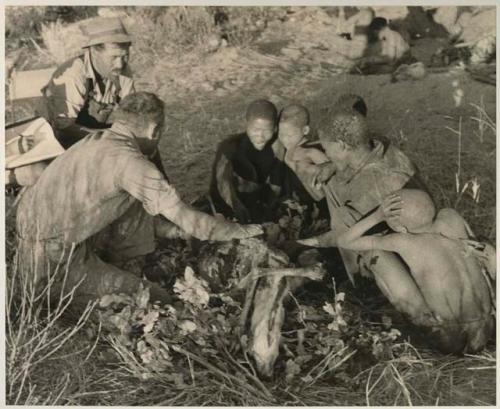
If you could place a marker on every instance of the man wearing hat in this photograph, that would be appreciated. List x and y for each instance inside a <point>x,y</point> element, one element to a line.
<point>84,90</point>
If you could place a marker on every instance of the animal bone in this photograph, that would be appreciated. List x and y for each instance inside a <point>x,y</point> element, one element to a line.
<point>266,291</point>
<point>314,273</point>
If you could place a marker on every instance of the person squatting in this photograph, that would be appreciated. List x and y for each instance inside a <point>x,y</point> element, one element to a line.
<point>115,197</point>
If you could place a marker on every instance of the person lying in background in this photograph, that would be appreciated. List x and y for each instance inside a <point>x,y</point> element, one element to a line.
<point>354,28</point>
<point>247,171</point>
<point>449,279</point>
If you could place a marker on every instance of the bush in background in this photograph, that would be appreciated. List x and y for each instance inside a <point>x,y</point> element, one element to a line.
<point>23,23</point>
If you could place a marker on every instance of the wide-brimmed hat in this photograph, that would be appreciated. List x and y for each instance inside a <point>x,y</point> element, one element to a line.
<point>102,30</point>
<point>46,146</point>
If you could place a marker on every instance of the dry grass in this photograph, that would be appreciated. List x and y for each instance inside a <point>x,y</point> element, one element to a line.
<point>60,42</point>
<point>414,115</point>
<point>36,336</point>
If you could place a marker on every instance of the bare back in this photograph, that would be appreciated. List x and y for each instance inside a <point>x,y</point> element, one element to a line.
<point>450,223</point>
<point>452,283</point>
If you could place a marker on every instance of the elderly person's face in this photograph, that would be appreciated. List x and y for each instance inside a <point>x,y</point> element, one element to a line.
<point>110,60</point>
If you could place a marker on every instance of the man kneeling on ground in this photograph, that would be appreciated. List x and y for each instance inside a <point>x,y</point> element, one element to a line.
<point>101,211</point>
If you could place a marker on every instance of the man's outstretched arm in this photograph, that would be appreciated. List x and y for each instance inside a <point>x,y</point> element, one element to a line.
<point>206,227</point>
<point>353,238</point>
<point>143,181</point>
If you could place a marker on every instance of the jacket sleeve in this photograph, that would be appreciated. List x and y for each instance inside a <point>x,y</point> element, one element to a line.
<point>141,179</point>
<point>156,160</point>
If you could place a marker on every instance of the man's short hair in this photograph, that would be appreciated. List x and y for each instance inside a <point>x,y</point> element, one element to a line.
<point>348,127</point>
<point>350,102</point>
<point>295,114</point>
<point>262,109</point>
<point>346,122</point>
<point>140,107</point>
<point>377,24</point>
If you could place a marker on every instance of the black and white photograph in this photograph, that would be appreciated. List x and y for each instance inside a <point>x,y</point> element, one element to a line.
<point>249,205</point>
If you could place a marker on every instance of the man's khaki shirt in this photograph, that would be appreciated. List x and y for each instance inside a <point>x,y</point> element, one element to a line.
<point>89,186</point>
<point>77,95</point>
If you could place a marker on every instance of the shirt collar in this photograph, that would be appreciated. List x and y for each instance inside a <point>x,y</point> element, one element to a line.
<point>121,129</point>
<point>89,68</point>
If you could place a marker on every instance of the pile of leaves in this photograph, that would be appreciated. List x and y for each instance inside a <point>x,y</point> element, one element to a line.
<point>154,340</point>
<point>147,336</point>
<point>295,221</point>
<point>320,338</point>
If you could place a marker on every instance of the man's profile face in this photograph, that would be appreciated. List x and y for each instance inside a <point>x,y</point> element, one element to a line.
<point>111,60</point>
<point>260,131</point>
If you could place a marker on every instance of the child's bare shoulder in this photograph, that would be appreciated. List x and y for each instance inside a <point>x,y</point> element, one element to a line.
<point>451,224</point>
<point>309,154</point>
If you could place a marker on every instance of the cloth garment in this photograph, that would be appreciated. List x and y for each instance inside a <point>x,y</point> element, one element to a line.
<point>77,97</point>
<point>77,100</point>
<point>245,182</point>
<point>99,196</point>
<point>354,193</point>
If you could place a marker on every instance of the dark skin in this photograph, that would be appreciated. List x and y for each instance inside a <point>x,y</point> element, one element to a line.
<point>450,279</point>
<point>244,169</point>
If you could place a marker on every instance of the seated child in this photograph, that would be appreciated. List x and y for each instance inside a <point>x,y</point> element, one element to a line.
<point>247,170</point>
<point>293,129</point>
<point>449,279</point>
<point>301,155</point>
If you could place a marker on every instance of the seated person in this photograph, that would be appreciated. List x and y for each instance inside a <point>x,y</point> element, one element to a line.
<point>293,131</point>
<point>248,169</point>
<point>119,202</point>
<point>304,156</point>
<point>385,51</point>
<point>301,155</point>
<point>355,29</point>
<point>82,92</point>
<point>366,170</point>
<point>449,280</point>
